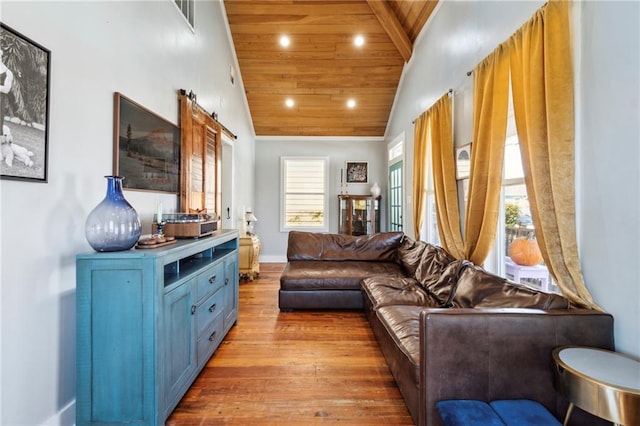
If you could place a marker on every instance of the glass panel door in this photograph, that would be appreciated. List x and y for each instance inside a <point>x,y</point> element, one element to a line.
<point>395,197</point>
<point>361,223</point>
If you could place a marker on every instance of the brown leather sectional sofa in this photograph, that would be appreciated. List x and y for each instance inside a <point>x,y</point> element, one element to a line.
<point>447,328</point>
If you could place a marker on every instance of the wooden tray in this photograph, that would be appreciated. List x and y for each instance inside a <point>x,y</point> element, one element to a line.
<point>157,245</point>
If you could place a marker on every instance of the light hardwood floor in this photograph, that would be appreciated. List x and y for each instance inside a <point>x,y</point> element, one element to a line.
<point>295,368</point>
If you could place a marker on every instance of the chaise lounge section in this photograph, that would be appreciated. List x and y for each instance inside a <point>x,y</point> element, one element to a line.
<point>447,328</point>
<point>324,270</point>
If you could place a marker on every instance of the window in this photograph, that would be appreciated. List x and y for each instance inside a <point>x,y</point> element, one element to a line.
<point>187,8</point>
<point>518,222</point>
<point>430,225</point>
<point>304,193</point>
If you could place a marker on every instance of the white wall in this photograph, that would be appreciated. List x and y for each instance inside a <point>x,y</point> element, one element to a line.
<point>609,160</point>
<point>268,153</point>
<point>461,34</point>
<point>145,50</point>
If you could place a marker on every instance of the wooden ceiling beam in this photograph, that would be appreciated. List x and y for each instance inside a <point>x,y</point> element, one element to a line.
<point>390,23</point>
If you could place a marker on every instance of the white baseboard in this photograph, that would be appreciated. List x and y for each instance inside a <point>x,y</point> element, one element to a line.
<point>272,259</point>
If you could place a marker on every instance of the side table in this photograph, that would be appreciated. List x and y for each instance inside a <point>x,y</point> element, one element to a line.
<point>517,272</point>
<point>601,382</point>
<point>249,252</point>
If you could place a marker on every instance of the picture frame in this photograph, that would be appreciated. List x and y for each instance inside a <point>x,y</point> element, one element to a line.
<point>146,148</point>
<point>463,161</point>
<point>25,75</point>
<point>357,172</point>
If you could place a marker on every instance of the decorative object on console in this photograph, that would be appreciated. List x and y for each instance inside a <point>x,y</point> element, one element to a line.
<point>113,225</point>
<point>185,225</point>
<point>249,217</point>
<point>155,241</point>
<point>375,189</point>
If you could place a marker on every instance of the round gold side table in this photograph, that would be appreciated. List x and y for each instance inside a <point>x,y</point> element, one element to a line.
<point>601,382</point>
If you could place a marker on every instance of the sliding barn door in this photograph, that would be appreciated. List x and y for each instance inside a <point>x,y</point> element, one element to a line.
<point>200,189</point>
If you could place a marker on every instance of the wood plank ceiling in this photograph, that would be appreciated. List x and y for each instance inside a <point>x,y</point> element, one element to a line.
<point>322,69</point>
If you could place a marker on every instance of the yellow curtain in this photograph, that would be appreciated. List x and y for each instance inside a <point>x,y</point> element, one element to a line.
<point>420,149</point>
<point>490,103</point>
<point>444,176</point>
<point>542,80</point>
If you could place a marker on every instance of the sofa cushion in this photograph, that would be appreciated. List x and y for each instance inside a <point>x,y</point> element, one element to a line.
<point>403,325</point>
<point>432,265</point>
<point>335,275</point>
<point>384,291</point>
<point>443,287</point>
<point>409,254</point>
<point>379,247</point>
<point>477,288</point>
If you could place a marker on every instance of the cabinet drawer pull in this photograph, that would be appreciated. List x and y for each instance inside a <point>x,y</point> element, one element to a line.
<point>226,281</point>
<point>193,309</point>
<point>212,279</point>
<point>212,308</point>
<point>212,337</point>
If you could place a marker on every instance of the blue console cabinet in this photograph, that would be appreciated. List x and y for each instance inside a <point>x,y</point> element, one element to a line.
<point>148,320</point>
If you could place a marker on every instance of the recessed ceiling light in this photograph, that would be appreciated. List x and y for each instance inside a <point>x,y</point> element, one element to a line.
<point>285,41</point>
<point>358,40</point>
<point>351,103</point>
<point>289,102</point>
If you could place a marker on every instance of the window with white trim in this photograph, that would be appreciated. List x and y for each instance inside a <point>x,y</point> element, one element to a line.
<point>304,194</point>
<point>188,10</point>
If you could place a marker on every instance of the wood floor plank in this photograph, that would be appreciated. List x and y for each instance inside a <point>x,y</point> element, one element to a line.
<point>294,368</point>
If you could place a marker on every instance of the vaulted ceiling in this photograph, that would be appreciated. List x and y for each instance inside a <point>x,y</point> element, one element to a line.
<point>322,69</point>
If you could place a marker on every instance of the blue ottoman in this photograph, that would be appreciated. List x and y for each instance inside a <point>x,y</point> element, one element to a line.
<point>467,412</point>
<point>517,412</point>
<point>523,412</point>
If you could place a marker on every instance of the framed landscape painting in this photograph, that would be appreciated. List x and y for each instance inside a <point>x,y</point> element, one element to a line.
<point>146,148</point>
<point>24,107</point>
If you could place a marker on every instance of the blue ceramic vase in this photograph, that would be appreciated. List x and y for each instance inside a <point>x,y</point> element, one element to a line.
<point>113,225</point>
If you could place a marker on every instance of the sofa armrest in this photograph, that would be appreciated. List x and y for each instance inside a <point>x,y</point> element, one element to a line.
<point>490,354</point>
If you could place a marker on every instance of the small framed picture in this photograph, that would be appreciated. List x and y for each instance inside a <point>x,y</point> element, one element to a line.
<point>24,107</point>
<point>463,161</point>
<point>357,172</point>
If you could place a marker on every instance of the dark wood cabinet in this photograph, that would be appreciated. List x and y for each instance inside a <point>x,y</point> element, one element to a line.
<point>359,214</point>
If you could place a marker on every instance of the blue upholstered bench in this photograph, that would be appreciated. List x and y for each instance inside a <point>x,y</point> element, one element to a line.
<point>516,412</point>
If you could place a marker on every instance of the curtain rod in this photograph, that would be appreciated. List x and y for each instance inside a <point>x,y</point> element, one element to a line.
<point>449,92</point>
<point>193,97</point>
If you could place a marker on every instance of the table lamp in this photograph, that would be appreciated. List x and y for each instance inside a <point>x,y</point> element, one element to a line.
<point>249,217</point>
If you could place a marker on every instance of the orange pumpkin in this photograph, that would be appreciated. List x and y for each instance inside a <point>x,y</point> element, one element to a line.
<point>525,251</point>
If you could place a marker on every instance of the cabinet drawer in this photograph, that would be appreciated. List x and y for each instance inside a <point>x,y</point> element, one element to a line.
<point>208,310</point>
<point>209,340</point>
<point>210,281</point>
